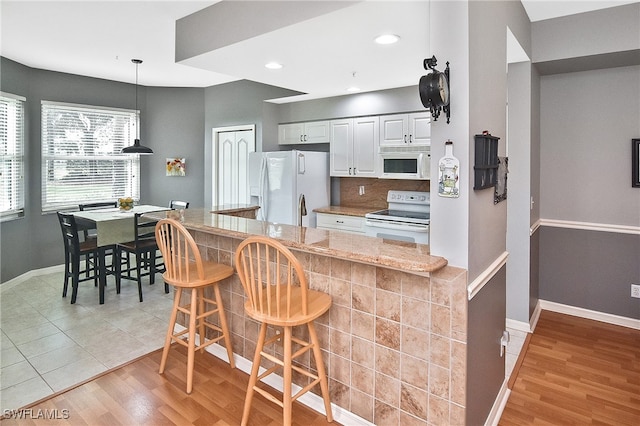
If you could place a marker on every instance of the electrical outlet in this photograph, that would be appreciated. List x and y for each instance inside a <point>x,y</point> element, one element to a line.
<point>635,290</point>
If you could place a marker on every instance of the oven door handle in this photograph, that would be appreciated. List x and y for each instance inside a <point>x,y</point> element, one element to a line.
<point>398,227</point>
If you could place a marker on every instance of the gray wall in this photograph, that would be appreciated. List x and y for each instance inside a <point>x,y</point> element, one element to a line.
<point>485,367</point>
<point>174,121</point>
<point>602,34</point>
<point>585,177</point>
<point>239,103</point>
<point>403,99</point>
<point>590,269</point>
<point>586,132</point>
<point>33,242</point>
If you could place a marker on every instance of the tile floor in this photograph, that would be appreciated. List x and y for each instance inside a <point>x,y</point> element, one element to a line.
<point>49,345</point>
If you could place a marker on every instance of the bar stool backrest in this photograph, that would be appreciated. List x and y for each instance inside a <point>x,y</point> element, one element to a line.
<point>273,279</point>
<point>182,258</point>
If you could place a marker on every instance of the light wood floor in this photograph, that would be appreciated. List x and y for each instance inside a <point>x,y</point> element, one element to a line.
<point>136,394</point>
<point>577,372</point>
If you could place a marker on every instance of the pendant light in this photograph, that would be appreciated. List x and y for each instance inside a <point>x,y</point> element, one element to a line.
<point>136,148</point>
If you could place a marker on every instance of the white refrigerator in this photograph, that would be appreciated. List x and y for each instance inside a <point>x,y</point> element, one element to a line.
<point>288,185</point>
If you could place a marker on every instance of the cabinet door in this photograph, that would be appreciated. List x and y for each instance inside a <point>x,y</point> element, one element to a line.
<point>289,134</point>
<point>420,129</point>
<point>394,130</point>
<point>316,132</point>
<point>366,138</point>
<point>341,147</point>
<point>351,224</point>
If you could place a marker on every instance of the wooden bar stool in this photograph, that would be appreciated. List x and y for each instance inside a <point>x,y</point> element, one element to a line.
<point>277,295</point>
<point>185,270</point>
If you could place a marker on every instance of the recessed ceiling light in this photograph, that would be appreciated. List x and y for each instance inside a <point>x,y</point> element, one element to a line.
<point>387,39</point>
<point>273,65</point>
<point>353,89</point>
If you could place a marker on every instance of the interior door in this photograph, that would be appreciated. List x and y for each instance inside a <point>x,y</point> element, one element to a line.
<point>233,170</point>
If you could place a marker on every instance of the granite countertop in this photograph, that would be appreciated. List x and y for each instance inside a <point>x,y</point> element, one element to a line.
<point>347,211</point>
<point>398,255</point>
<point>232,208</point>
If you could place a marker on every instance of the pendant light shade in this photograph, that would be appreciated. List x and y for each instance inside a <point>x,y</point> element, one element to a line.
<point>136,148</point>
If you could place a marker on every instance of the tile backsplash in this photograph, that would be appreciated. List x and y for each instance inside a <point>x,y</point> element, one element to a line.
<point>375,191</point>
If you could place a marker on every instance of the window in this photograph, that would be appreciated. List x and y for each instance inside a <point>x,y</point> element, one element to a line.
<point>12,149</point>
<point>81,160</point>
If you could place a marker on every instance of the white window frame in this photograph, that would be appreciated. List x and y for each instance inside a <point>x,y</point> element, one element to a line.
<point>81,159</point>
<point>12,151</point>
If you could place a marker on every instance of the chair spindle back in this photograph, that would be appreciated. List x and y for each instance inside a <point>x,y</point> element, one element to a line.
<point>182,258</point>
<point>268,272</point>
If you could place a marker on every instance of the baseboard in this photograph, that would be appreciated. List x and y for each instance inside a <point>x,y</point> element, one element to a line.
<point>309,399</point>
<point>30,274</point>
<point>589,314</point>
<point>518,325</point>
<point>533,321</point>
<point>498,405</point>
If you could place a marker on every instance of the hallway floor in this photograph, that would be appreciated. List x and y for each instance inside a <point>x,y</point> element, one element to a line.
<point>48,345</point>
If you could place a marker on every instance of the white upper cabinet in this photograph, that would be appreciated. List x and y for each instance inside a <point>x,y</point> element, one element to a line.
<point>354,147</point>
<point>366,139</point>
<point>303,133</point>
<point>405,129</point>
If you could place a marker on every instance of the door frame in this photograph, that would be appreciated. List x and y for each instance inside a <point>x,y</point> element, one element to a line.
<point>215,135</point>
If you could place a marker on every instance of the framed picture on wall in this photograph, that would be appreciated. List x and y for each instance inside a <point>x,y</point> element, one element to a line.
<point>635,163</point>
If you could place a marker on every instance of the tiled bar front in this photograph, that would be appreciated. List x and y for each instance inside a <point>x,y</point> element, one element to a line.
<point>394,342</point>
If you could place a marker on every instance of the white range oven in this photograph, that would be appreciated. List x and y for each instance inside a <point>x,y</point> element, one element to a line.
<point>406,219</point>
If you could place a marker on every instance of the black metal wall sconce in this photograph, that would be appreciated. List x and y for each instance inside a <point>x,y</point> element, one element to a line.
<point>434,89</point>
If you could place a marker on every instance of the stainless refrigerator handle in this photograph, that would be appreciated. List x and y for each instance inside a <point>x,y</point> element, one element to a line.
<point>302,209</point>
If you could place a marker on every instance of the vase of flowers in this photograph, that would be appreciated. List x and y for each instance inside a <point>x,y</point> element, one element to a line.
<point>125,203</point>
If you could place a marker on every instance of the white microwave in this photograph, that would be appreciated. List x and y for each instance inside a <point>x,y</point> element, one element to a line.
<point>409,164</point>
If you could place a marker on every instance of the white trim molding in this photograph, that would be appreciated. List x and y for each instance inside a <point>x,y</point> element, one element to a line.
<point>498,405</point>
<point>589,314</point>
<point>486,275</point>
<point>28,275</point>
<point>534,227</point>
<point>587,226</point>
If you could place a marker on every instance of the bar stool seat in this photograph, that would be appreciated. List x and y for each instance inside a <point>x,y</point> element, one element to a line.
<point>278,295</point>
<point>189,274</point>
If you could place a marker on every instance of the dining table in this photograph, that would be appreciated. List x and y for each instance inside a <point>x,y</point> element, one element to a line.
<point>113,226</point>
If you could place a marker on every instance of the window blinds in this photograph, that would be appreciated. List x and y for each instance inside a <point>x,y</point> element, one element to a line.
<point>12,151</point>
<point>81,160</point>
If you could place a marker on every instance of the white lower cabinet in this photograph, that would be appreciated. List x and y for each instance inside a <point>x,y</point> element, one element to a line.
<point>354,146</point>
<point>352,224</point>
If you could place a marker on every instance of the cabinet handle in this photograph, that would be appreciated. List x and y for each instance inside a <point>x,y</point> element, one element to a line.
<point>405,138</point>
<point>301,136</point>
<point>349,171</point>
<point>339,221</point>
<point>354,171</point>
<point>306,138</point>
<point>410,137</point>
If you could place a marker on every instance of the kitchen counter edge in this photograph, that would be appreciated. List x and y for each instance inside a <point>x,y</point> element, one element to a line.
<point>407,257</point>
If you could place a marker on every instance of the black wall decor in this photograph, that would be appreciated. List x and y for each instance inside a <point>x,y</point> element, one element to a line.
<point>635,163</point>
<point>434,89</point>
<point>486,162</point>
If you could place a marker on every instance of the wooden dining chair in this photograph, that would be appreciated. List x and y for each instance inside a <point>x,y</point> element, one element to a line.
<point>176,204</point>
<point>189,274</point>
<point>74,251</point>
<point>143,248</point>
<point>278,295</point>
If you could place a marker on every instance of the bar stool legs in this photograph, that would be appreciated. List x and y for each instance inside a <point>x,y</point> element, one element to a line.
<point>197,312</point>
<point>287,373</point>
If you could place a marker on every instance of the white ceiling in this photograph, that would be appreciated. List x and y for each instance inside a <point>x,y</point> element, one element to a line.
<point>99,39</point>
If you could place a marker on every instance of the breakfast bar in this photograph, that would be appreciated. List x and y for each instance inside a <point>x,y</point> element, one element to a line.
<point>395,338</point>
